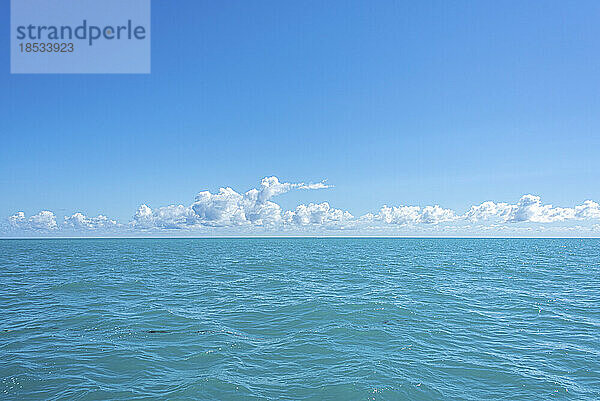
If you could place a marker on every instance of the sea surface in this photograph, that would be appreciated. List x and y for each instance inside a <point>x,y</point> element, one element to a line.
<point>296,319</point>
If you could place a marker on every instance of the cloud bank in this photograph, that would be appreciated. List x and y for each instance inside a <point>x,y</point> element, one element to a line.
<point>228,208</point>
<point>256,212</point>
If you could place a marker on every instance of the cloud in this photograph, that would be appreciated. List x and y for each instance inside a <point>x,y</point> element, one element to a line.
<point>166,217</point>
<point>436,214</point>
<point>320,214</point>
<point>488,210</point>
<point>257,211</point>
<point>229,208</point>
<point>226,208</point>
<point>43,221</point>
<point>79,221</point>
<point>318,185</point>
<point>589,210</point>
<point>410,215</point>
<point>531,209</point>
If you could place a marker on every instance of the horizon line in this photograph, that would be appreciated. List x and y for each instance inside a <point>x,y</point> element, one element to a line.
<point>308,236</point>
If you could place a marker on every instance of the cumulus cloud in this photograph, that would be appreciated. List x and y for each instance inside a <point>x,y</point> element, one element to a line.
<point>43,221</point>
<point>79,221</point>
<point>436,214</point>
<point>531,209</point>
<point>409,215</point>
<point>589,210</point>
<point>317,214</point>
<point>226,208</point>
<point>167,217</point>
<point>488,210</point>
<point>256,209</point>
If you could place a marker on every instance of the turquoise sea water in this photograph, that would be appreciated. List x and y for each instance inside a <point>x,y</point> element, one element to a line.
<point>229,319</point>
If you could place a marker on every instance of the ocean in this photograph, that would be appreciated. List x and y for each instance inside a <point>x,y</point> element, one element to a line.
<point>300,319</point>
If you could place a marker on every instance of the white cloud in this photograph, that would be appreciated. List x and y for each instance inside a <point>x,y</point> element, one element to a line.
<point>589,210</point>
<point>79,221</point>
<point>530,208</point>
<point>256,211</point>
<point>436,214</point>
<point>409,215</point>
<point>488,210</point>
<point>166,217</point>
<point>17,220</point>
<point>399,214</point>
<point>318,185</point>
<point>43,221</point>
<point>226,208</point>
<point>317,214</point>
<point>143,217</point>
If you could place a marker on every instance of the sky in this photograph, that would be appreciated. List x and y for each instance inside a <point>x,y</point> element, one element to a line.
<point>387,103</point>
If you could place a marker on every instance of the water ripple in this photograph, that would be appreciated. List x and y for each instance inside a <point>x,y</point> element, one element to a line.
<point>416,319</point>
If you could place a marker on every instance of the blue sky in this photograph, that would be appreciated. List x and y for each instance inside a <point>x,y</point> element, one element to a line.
<point>393,103</point>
